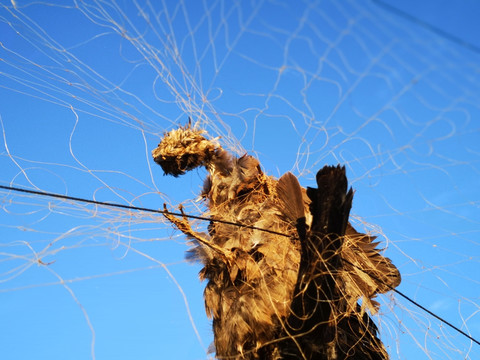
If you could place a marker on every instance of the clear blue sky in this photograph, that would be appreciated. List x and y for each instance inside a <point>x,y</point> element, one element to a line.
<point>86,93</point>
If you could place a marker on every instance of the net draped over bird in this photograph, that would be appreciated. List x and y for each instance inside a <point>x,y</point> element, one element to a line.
<point>295,291</point>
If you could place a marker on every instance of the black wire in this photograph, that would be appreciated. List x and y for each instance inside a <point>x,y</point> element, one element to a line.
<point>415,303</point>
<point>129,207</point>
<point>165,212</point>
<point>428,26</point>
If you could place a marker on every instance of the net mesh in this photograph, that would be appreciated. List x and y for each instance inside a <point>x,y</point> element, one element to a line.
<point>89,87</point>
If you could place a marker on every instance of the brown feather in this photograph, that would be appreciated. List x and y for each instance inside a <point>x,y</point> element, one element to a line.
<point>290,197</point>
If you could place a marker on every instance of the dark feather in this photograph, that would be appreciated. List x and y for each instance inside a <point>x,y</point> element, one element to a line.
<point>291,202</point>
<point>290,197</point>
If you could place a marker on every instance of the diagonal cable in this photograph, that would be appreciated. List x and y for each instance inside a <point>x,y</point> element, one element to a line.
<point>165,212</point>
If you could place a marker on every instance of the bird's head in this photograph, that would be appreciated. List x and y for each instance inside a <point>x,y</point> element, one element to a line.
<point>184,149</point>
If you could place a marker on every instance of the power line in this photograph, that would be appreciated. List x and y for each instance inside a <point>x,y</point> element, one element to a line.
<point>136,208</point>
<point>424,24</point>
<point>408,298</point>
<point>165,212</point>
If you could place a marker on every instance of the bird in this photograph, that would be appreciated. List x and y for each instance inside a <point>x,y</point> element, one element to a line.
<point>288,276</point>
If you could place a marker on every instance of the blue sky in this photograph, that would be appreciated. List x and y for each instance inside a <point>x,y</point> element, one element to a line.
<point>86,93</point>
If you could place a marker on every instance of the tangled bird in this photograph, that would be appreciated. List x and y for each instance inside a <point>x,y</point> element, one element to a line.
<point>299,290</point>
